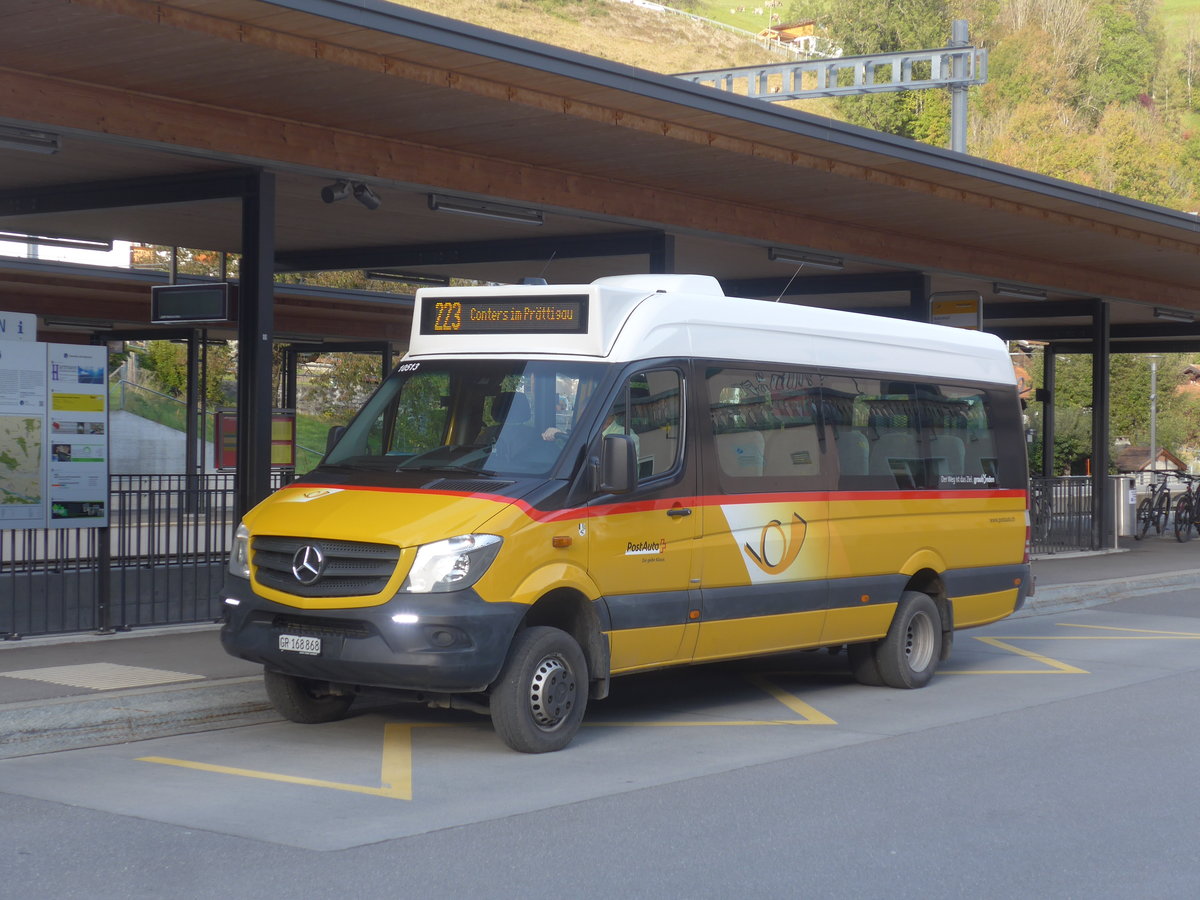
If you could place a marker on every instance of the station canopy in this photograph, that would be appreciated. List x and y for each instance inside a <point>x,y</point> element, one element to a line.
<point>495,158</point>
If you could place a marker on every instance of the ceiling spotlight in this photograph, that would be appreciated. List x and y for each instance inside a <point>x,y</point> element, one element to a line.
<point>339,190</point>
<point>407,277</point>
<point>486,209</point>
<point>366,196</point>
<point>54,240</point>
<point>1019,291</point>
<point>1174,315</point>
<point>804,258</point>
<point>29,139</point>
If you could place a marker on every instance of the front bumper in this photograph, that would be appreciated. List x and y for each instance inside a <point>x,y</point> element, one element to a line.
<point>457,645</point>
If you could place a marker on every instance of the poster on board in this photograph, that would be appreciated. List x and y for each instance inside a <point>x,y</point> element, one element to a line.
<point>77,435</point>
<point>22,434</point>
<point>53,435</point>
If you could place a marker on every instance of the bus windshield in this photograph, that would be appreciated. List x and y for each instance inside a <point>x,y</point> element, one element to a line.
<point>480,417</point>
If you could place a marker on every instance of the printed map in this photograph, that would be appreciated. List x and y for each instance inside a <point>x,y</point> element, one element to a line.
<point>20,460</point>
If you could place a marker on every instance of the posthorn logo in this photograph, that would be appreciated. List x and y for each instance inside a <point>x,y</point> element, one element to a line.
<point>788,544</point>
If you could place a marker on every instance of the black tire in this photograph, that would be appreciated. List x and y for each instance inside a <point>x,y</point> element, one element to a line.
<point>908,656</point>
<point>537,703</point>
<point>304,701</point>
<point>1145,515</point>
<point>1183,519</point>
<point>862,663</point>
<point>1162,511</point>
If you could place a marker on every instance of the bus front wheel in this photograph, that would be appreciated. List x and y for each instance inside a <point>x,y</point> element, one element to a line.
<point>908,656</point>
<point>538,701</point>
<point>305,701</point>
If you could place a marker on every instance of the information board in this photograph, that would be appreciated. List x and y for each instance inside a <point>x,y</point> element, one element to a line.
<point>283,439</point>
<point>53,435</point>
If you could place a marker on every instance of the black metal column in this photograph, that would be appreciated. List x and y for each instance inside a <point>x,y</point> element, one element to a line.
<point>193,425</point>
<point>1049,378</point>
<point>256,325</point>
<point>662,257</point>
<point>1102,525</point>
<point>918,297</point>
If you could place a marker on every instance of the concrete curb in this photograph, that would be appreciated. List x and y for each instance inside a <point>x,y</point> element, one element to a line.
<point>116,717</point>
<point>1081,595</point>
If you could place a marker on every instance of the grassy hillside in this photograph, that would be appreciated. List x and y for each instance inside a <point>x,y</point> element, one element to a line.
<point>1101,98</point>
<point>622,32</point>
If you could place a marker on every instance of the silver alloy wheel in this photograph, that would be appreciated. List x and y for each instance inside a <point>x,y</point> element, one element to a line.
<point>919,642</point>
<point>551,692</point>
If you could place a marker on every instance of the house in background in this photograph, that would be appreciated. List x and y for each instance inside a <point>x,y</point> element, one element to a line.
<point>800,37</point>
<point>1137,461</point>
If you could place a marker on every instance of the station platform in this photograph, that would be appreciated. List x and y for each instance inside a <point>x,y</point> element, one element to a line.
<point>82,690</point>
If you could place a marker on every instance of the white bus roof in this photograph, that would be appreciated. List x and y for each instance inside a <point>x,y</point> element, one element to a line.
<point>631,317</point>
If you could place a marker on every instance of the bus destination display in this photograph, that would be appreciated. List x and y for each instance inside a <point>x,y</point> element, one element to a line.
<point>564,314</point>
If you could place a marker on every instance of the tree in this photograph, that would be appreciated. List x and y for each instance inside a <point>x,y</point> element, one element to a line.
<point>1177,423</point>
<point>1127,54</point>
<point>339,384</point>
<point>1136,155</point>
<point>883,26</point>
<point>166,363</point>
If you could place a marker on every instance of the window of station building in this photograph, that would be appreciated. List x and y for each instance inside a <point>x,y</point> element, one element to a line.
<point>766,428</point>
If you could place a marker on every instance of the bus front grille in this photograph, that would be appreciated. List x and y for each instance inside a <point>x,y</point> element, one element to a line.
<point>316,567</point>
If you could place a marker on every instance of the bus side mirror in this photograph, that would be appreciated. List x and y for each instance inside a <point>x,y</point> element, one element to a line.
<point>334,435</point>
<point>618,464</point>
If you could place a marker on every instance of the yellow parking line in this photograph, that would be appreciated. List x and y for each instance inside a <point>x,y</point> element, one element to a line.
<point>810,715</point>
<point>1144,633</point>
<point>395,775</point>
<point>1054,667</point>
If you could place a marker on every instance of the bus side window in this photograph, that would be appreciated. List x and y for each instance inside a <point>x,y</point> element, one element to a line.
<point>910,435</point>
<point>766,425</point>
<point>652,419</point>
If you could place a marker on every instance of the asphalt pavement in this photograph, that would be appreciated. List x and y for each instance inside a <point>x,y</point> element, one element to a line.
<point>84,690</point>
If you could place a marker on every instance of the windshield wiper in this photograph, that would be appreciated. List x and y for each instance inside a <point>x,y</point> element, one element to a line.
<point>446,467</point>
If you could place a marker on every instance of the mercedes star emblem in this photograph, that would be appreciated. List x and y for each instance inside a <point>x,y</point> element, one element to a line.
<point>308,564</point>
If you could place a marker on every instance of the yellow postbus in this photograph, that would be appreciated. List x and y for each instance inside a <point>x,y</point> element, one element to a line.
<point>560,484</point>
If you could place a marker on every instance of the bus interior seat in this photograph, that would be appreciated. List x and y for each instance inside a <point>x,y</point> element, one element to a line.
<point>657,450</point>
<point>792,451</point>
<point>510,410</point>
<point>949,448</point>
<point>853,452</point>
<point>892,445</point>
<point>740,453</point>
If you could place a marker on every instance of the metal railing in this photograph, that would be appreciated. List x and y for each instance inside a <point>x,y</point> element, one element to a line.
<point>160,561</point>
<point>1060,514</point>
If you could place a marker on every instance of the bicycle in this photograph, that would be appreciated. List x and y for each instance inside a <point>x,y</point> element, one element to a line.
<point>1154,510</point>
<point>1187,511</point>
<point>1041,512</point>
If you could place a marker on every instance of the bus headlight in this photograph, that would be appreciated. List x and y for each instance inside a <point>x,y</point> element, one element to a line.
<point>239,556</point>
<point>452,564</point>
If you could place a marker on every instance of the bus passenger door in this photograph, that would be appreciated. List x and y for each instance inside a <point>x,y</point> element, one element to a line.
<point>764,549</point>
<point>642,543</point>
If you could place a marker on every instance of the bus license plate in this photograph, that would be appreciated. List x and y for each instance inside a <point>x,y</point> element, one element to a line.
<point>295,643</point>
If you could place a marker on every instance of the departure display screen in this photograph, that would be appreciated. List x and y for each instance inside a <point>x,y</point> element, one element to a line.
<point>561,314</point>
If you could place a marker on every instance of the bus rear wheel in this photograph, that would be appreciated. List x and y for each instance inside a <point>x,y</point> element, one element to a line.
<point>908,656</point>
<point>305,701</point>
<point>538,701</point>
